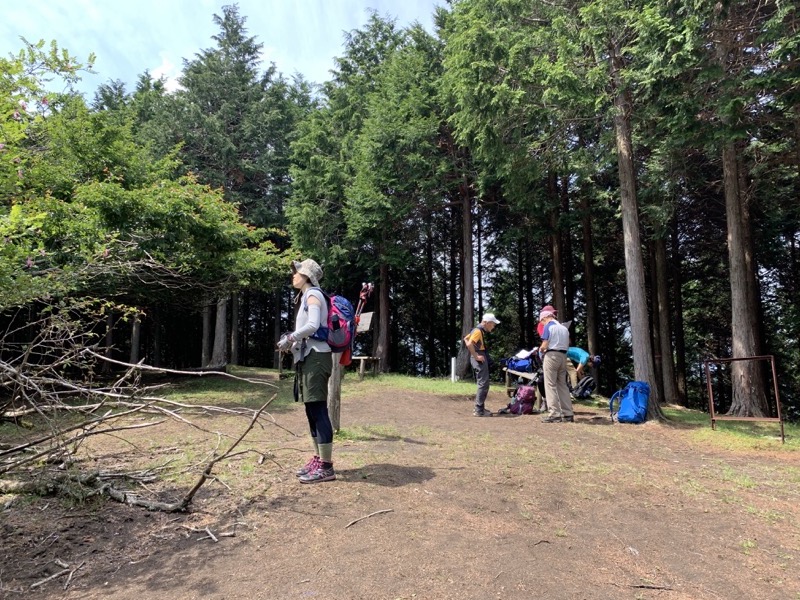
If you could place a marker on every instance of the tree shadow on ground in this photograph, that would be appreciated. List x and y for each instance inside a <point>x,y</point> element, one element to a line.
<point>386,475</point>
<point>593,420</point>
<point>386,437</point>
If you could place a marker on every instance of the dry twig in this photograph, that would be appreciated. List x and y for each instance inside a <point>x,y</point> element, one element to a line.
<point>377,512</point>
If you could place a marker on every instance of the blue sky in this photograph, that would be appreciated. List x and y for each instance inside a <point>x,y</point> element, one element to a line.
<point>130,36</point>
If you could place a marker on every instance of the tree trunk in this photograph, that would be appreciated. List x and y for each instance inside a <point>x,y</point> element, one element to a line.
<point>155,319</point>
<point>277,305</point>
<point>663,312</point>
<point>108,352</point>
<point>522,289</point>
<point>531,310</point>
<point>567,262</point>
<point>235,329</point>
<point>556,248</point>
<point>205,357</point>
<point>655,325</point>
<point>592,330</point>
<point>335,392</point>
<point>382,346</point>
<point>749,399</point>
<point>430,306</point>
<point>479,257</point>
<point>136,333</point>
<point>453,278</point>
<point>467,276</point>
<point>634,265</point>
<point>680,343</point>
<point>219,355</point>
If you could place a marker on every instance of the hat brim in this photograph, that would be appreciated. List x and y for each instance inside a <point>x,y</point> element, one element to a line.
<point>297,267</point>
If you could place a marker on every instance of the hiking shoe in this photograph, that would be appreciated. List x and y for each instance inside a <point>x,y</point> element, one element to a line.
<point>319,475</point>
<point>310,466</point>
<point>569,419</point>
<point>481,412</point>
<point>552,419</point>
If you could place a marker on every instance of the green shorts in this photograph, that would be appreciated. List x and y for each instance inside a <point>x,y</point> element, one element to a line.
<point>313,374</point>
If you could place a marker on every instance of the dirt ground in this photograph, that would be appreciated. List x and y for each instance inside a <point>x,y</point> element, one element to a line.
<point>429,503</point>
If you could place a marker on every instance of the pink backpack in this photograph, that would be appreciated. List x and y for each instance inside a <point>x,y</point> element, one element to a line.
<point>523,401</point>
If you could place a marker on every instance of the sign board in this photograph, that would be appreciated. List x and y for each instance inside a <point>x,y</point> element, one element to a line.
<point>364,322</point>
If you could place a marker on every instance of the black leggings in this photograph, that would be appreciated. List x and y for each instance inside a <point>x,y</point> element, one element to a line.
<point>319,422</point>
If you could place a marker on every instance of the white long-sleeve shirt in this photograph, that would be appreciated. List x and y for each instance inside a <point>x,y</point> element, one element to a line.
<point>309,318</point>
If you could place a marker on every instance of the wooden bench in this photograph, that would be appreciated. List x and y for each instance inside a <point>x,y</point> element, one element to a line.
<point>362,367</point>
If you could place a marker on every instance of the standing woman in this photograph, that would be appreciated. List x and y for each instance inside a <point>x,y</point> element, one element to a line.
<point>313,366</point>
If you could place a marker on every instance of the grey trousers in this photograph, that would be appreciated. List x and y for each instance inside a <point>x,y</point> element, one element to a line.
<point>555,384</point>
<point>481,370</point>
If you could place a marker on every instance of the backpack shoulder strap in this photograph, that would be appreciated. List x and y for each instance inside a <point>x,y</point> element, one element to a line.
<point>325,296</point>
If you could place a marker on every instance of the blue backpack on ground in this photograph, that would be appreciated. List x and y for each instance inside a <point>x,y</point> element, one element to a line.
<point>632,402</point>
<point>340,330</point>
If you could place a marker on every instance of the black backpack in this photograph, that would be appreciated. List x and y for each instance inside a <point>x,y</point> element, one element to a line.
<point>584,388</point>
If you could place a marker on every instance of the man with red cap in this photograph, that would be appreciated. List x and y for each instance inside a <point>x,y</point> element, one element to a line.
<point>555,343</point>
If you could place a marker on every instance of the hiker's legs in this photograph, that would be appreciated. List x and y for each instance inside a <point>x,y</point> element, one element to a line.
<point>322,470</point>
<point>564,399</point>
<point>481,370</point>
<point>318,418</point>
<point>554,377</point>
<point>315,372</point>
<point>573,374</point>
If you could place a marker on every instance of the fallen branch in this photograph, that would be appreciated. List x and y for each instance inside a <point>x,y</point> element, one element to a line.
<point>651,587</point>
<point>207,472</point>
<point>377,512</point>
<point>71,573</point>
<point>46,579</point>
<point>144,367</point>
<point>181,506</point>
<point>13,591</point>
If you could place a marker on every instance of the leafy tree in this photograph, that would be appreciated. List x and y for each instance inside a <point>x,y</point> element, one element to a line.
<point>324,163</point>
<point>26,96</point>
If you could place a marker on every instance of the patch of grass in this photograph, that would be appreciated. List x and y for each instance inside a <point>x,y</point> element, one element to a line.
<point>741,480</point>
<point>426,385</point>
<point>771,516</point>
<point>690,486</point>
<point>221,390</point>
<point>747,546</point>
<point>737,435</point>
<point>687,417</point>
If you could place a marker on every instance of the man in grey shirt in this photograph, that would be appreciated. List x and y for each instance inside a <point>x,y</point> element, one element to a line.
<point>555,343</point>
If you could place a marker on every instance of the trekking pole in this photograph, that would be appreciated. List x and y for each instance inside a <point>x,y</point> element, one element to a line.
<point>366,291</point>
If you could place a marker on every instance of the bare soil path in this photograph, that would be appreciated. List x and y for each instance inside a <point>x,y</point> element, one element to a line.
<point>430,503</point>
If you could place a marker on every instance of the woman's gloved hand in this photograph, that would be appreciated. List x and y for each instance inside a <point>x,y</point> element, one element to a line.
<point>285,343</point>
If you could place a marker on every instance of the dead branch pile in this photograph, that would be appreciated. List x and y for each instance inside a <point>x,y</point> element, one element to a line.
<point>52,378</point>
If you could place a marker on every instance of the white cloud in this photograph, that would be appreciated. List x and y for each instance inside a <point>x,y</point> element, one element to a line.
<point>131,36</point>
<point>169,71</point>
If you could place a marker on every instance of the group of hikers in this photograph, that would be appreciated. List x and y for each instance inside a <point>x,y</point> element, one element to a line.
<point>556,356</point>
<point>311,352</point>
